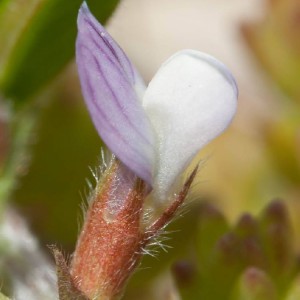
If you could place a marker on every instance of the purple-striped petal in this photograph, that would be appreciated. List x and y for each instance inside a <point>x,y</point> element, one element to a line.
<point>110,85</point>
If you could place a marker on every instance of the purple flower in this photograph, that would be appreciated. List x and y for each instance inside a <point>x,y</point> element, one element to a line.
<point>156,130</point>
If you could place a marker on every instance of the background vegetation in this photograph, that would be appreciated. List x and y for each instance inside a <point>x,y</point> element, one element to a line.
<point>235,241</point>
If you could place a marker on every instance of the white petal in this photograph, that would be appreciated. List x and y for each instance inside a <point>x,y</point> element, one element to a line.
<point>190,101</point>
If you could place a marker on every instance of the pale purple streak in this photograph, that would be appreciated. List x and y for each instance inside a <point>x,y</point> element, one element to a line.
<point>108,85</point>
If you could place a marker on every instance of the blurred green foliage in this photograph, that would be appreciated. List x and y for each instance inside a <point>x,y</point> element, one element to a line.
<point>276,43</point>
<point>210,259</point>
<point>283,147</point>
<point>53,190</point>
<point>251,260</point>
<point>37,39</point>
<point>255,284</point>
<point>2,297</point>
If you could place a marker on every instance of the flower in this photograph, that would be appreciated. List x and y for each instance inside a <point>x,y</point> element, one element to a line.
<point>156,130</point>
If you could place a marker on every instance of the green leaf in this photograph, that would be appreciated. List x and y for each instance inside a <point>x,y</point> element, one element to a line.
<point>277,237</point>
<point>211,226</point>
<point>222,254</point>
<point>254,284</point>
<point>2,297</point>
<point>200,283</point>
<point>39,38</point>
<point>294,290</point>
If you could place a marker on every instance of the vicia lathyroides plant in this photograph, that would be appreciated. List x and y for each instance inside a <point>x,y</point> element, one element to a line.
<point>153,133</point>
